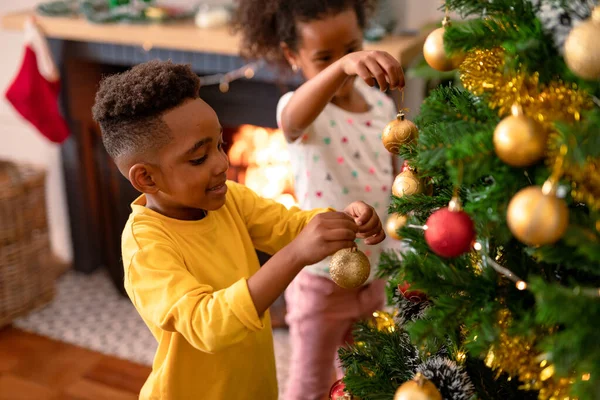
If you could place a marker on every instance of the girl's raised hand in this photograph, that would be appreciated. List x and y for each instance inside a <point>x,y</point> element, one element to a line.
<point>374,66</point>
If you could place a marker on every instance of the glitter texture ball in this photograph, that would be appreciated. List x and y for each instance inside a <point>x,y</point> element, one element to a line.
<point>349,268</point>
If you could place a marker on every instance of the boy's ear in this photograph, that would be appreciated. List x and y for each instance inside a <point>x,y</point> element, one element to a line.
<point>290,56</point>
<point>141,177</point>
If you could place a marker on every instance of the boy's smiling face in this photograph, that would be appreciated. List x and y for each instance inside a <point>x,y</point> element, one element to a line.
<point>190,171</point>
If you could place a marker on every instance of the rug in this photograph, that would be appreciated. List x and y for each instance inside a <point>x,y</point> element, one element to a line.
<point>89,312</point>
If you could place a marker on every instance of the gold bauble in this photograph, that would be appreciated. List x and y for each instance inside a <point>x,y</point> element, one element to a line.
<point>398,133</point>
<point>349,268</point>
<point>582,48</point>
<point>536,218</point>
<point>435,54</point>
<point>519,140</point>
<point>394,222</point>
<point>419,388</point>
<point>406,184</point>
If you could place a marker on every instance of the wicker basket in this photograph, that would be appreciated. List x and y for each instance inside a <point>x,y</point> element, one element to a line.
<point>26,273</point>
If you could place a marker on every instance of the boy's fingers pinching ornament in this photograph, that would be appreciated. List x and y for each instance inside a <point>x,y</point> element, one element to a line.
<point>349,268</point>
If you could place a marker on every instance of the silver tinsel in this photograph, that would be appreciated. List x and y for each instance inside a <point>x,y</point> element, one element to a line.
<point>449,378</point>
<point>559,19</point>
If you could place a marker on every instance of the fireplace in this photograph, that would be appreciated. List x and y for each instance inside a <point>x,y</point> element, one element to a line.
<point>259,159</point>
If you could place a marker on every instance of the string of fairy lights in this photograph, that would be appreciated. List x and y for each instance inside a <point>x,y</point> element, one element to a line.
<point>247,71</point>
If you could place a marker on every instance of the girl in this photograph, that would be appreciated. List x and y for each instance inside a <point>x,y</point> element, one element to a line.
<point>333,125</point>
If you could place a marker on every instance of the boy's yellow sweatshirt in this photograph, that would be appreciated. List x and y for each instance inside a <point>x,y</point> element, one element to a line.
<point>188,281</point>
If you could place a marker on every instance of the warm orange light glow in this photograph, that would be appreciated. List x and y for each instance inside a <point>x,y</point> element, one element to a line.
<point>263,152</point>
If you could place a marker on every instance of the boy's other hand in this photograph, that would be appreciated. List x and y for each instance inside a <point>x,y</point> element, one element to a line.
<point>374,66</point>
<point>325,234</point>
<point>369,224</point>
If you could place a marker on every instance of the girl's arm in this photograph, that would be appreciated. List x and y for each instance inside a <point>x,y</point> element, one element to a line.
<point>311,98</point>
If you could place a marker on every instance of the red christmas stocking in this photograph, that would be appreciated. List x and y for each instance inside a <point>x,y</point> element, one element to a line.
<point>34,92</point>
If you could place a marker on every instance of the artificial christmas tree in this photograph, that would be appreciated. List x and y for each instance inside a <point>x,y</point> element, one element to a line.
<point>511,311</point>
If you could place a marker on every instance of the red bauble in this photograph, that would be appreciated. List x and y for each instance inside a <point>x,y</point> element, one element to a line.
<point>337,391</point>
<point>449,233</point>
<point>416,296</point>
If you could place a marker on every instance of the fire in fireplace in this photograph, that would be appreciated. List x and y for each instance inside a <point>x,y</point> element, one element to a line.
<point>259,159</point>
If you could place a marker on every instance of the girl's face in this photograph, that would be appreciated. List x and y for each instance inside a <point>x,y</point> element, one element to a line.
<point>324,41</point>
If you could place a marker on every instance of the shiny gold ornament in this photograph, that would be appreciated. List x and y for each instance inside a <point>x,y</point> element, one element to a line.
<point>398,133</point>
<point>519,140</point>
<point>383,321</point>
<point>435,53</point>
<point>395,222</point>
<point>349,268</point>
<point>537,217</point>
<point>407,183</point>
<point>419,388</point>
<point>582,48</point>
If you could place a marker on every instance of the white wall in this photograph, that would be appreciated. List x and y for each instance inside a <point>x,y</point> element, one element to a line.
<point>21,142</point>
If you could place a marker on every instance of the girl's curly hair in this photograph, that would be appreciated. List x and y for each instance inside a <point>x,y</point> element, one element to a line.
<point>265,24</point>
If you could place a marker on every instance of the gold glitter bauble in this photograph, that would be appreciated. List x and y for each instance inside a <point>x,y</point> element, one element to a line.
<point>349,268</point>
<point>435,54</point>
<point>519,140</point>
<point>398,133</point>
<point>536,218</point>
<point>406,184</point>
<point>419,388</point>
<point>393,223</point>
<point>582,48</point>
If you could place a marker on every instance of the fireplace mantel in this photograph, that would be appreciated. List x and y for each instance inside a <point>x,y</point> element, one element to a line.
<point>183,36</point>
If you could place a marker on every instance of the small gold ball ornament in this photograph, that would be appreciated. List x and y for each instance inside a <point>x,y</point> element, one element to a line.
<point>536,217</point>
<point>435,53</point>
<point>407,183</point>
<point>349,268</point>
<point>519,140</point>
<point>419,388</point>
<point>394,222</point>
<point>582,48</point>
<point>398,133</point>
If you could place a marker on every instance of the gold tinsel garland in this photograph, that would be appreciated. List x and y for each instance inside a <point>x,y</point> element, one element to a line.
<point>517,357</point>
<point>483,72</point>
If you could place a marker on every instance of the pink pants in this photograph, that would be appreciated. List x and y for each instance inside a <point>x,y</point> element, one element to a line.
<point>321,316</point>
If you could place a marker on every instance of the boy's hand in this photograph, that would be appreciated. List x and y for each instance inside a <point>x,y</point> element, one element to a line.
<point>369,224</point>
<point>324,235</point>
<point>374,66</point>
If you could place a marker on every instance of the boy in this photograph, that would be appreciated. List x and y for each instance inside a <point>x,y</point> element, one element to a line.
<point>189,245</point>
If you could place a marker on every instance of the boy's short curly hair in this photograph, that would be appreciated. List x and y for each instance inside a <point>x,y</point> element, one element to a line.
<point>129,105</point>
<point>265,24</point>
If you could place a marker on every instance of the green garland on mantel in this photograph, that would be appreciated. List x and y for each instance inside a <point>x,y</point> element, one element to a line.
<point>111,11</point>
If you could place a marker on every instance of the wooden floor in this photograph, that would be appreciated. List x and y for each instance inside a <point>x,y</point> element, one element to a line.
<point>34,367</point>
